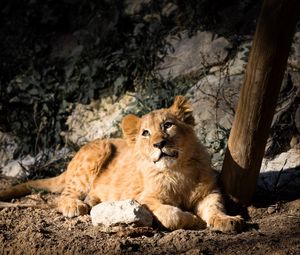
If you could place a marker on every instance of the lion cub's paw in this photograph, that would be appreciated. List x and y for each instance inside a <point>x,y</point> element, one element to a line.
<point>92,200</point>
<point>71,207</point>
<point>173,218</point>
<point>227,224</point>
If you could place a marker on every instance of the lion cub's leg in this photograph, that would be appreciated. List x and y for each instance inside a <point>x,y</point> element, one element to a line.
<point>211,210</point>
<point>172,217</point>
<point>81,172</point>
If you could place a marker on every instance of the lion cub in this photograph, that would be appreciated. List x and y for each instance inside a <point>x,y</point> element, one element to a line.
<point>159,162</point>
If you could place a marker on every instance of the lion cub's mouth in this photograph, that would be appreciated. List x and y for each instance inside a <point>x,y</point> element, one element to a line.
<point>163,154</point>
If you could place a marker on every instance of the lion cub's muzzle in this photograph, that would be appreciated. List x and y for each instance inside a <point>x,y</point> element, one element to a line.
<point>171,154</point>
<point>164,151</point>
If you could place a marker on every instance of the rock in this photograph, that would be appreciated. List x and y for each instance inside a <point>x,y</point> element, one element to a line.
<point>271,209</point>
<point>133,7</point>
<point>115,215</point>
<point>192,54</point>
<point>169,9</point>
<point>8,146</point>
<point>99,119</point>
<point>18,168</point>
<point>281,172</point>
<point>21,167</point>
<point>214,99</point>
<point>295,77</point>
<point>294,207</point>
<point>215,96</point>
<point>295,141</point>
<point>238,63</point>
<point>294,58</point>
<point>284,123</point>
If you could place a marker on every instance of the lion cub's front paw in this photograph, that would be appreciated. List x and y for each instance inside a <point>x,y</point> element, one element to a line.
<point>227,224</point>
<point>92,200</point>
<point>71,207</point>
<point>173,218</point>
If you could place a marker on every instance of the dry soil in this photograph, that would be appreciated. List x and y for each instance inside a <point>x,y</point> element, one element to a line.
<point>29,226</point>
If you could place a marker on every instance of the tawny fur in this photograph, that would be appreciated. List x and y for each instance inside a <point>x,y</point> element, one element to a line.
<point>159,162</point>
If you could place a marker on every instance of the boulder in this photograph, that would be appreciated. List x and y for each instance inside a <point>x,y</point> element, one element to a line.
<point>115,215</point>
<point>214,99</point>
<point>193,54</point>
<point>282,172</point>
<point>22,167</point>
<point>99,119</point>
<point>8,146</point>
<point>18,168</point>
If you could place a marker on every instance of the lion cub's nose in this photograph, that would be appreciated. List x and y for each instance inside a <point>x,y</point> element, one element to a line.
<point>160,144</point>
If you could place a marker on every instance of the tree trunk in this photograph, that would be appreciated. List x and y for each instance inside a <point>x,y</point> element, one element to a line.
<point>258,96</point>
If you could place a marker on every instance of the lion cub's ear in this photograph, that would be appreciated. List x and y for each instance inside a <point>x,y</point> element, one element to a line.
<point>183,110</point>
<point>131,126</point>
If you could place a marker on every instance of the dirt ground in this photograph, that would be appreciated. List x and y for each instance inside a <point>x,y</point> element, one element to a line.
<point>31,227</point>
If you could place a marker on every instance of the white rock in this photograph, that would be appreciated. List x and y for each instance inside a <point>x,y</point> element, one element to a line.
<point>100,119</point>
<point>17,168</point>
<point>111,216</point>
<point>282,171</point>
<point>13,169</point>
<point>21,167</point>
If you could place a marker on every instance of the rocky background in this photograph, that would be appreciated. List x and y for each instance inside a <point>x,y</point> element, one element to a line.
<point>70,70</point>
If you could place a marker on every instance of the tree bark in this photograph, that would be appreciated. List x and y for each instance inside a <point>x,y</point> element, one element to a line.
<point>267,62</point>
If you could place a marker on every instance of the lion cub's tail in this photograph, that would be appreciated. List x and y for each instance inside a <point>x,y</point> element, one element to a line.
<point>55,185</point>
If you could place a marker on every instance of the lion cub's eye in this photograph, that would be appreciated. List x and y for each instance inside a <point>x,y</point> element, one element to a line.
<point>146,133</point>
<point>167,124</point>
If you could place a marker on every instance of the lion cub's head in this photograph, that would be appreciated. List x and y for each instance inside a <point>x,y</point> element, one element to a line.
<point>163,137</point>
